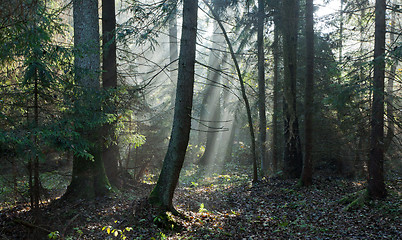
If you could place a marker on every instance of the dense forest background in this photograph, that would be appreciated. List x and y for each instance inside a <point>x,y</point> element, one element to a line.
<point>98,98</point>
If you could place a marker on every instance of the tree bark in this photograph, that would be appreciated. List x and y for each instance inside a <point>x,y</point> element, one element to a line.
<point>293,159</point>
<point>162,195</point>
<point>376,186</point>
<point>261,87</point>
<point>110,150</point>
<point>88,178</point>
<point>306,178</point>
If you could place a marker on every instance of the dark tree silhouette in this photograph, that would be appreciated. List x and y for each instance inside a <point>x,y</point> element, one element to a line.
<point>376,186</point>
<point>110,153</point>
<point>293,159</point>
<point>162,195</point>
<point>306,178</point>
<point>88,178</point>
<point>261,86</point>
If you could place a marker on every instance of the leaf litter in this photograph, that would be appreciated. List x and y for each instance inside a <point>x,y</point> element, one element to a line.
<point>218,207</point>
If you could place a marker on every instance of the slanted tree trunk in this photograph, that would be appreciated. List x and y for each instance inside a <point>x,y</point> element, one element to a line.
<point>306,178</point>
<point>88,178</point>
<point>293,159</point>
<point>262,137</point>
<point>110,151</point>
<point>376,186</point>
<point>162,195</point>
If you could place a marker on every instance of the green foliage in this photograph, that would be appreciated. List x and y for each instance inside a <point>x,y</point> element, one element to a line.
<point>160,236</point>
<point>117,233</point>
<point>202,208</point>
<point>54,235</point>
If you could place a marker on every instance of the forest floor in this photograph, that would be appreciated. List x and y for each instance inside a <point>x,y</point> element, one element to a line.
<point>218,207</point>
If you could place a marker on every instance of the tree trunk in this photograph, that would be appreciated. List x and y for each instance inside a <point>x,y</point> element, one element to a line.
<point>376,186</point>
<point>110,150</point>
<point>88,178</point>
<point>293,159</point>
<point>306,178</point>
<point>261,87</point>
<point>275,139</point>
<point>162,195</point>
<point>36,192</point>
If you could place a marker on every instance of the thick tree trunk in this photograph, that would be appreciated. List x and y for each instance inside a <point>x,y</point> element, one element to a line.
<point>293,159</point>
<point>162,194</point>
<point>110,151</point>
<point>306,178</point>
<point>89,178</point>
<point>376,186</point>
<point>262,137</point>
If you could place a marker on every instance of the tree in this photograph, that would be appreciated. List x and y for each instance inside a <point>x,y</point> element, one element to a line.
<point>276,87</point>
<point>162,195</point>
<point>376,186</point>
<point>306,178</point>
<point>110,151</point>
<point>293,159</point>
<point>88,178</point>
<point>261,85</point>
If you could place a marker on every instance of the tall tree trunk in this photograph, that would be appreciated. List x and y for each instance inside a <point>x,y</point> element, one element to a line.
<point>275,115</point>
<point>162,194</point>
<point>243,90</point>
<point>110,151</point>
<point>261,87</point>
<point>306,178</point>
<point>88,178</point>
<point>293,159</point>
<point>36,191</point>
<point>376,186</point>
